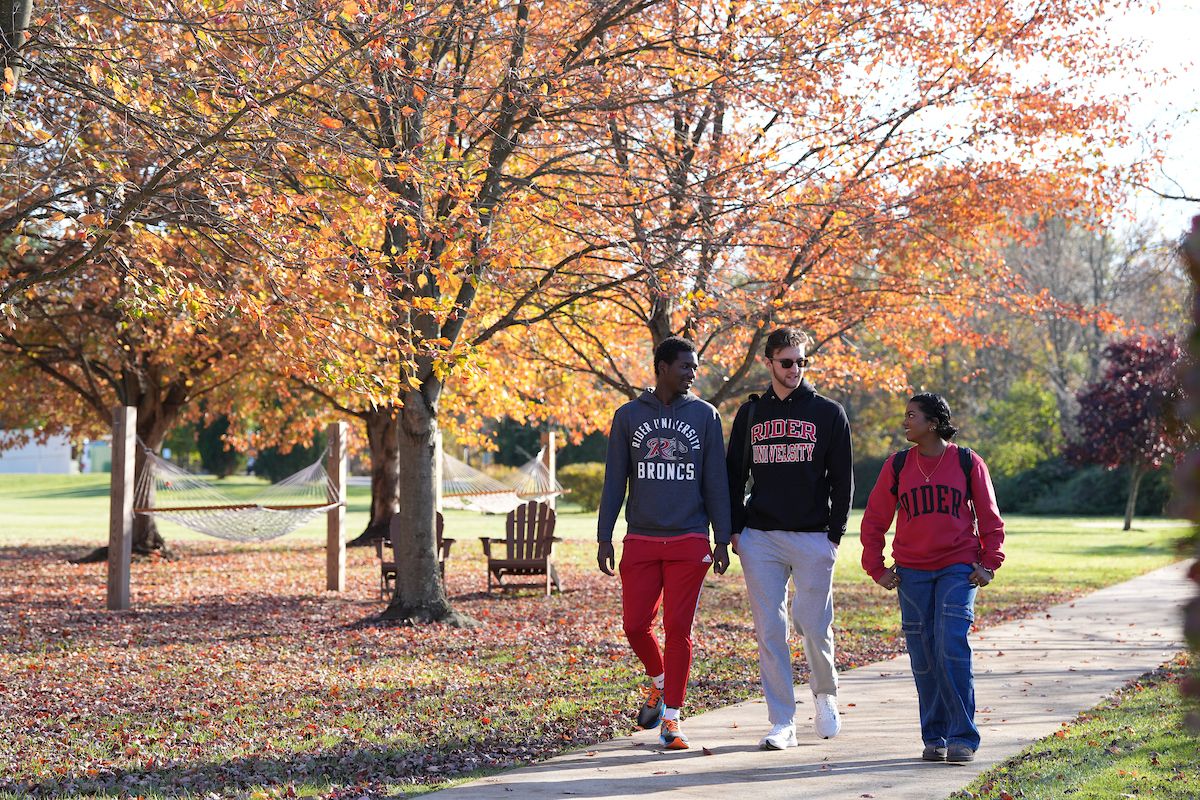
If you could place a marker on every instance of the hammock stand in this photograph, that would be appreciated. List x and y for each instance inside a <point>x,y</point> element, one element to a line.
<point>210,512</point>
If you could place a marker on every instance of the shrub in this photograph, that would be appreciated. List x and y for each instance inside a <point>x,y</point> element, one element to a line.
<point>275,465</point>
<point>215,457</point>
<point>866,472</point>
<point>1056,487</point>
<point>585,482</point>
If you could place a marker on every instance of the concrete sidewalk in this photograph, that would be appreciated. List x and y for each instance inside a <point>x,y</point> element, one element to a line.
<point>1031,676</point>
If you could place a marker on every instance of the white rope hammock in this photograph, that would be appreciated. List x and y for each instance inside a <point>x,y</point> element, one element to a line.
<point>466,487</point>
<point>169,491</point>
<point>172,492</point>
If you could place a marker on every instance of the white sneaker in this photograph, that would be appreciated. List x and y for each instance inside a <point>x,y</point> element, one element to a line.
<point>826,720</point>
<point>781,737</point>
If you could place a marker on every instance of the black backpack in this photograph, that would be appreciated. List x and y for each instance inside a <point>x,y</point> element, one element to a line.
<point>964,461</point>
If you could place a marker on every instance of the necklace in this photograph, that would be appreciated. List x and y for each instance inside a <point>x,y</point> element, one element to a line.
<point>932,472</point>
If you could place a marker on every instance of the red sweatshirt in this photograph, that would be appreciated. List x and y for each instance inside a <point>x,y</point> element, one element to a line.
<point>934,526</point>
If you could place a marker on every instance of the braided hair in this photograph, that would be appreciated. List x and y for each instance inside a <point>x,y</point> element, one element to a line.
<point>935,407</point>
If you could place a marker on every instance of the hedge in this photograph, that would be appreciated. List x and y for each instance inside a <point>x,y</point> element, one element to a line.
<point>1054,487</point>
<point>585,482</point>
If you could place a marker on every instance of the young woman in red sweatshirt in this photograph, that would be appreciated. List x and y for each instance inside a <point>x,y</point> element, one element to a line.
<point>947,545</point>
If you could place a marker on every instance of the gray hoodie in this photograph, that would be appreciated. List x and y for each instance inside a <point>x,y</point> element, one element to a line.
<point>672,460</point>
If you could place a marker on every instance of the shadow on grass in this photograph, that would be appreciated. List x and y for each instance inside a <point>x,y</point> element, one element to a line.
<point>368,769</point>
<point>1117,550</point>
<point>35,493</point>
<point>220,620</point>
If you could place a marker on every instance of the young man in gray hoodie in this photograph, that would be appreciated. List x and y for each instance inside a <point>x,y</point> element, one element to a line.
<point>667,450</point>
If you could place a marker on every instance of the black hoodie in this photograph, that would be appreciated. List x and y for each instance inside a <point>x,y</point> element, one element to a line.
<point>801,462</point>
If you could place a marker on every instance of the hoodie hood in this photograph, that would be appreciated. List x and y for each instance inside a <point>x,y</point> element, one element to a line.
<point>802,392</point>
<point>650,398</point>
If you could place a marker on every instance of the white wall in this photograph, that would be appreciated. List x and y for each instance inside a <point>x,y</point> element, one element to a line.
<point>53,457</point>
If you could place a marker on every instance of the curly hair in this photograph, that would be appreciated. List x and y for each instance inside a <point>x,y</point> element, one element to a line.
<point>670,348</point>
<point>935,407</point>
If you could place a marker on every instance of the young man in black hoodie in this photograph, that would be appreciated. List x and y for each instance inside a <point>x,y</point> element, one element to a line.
<point>795,444</point>
<point>667,449</point>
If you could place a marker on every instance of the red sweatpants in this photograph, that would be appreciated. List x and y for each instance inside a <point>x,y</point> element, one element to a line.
<point>667,573</point>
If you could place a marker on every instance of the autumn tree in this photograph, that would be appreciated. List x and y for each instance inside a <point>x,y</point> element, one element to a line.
<point>809,169</point>
<point>1127,419</point>
<point>124,120</point>
<point>601,176</point>
<point>132,270</point>
<point>81,349</point>
<point>441,141</point>
<point>1095,282</point>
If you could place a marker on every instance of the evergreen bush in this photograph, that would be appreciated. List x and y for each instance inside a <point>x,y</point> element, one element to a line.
<point>585,482</point>
<point>275,465</point>
<point>1057,487</point>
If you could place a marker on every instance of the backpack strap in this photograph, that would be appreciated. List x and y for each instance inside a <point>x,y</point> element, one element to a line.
<point>898,464</point>
<point>753,403</point>
<point>964,461</point>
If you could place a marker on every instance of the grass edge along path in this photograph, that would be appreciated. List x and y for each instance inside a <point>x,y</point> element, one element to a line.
<point>1132,744</point>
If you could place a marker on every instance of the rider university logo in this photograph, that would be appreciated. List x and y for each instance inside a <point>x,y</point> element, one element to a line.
<point>666,446</point>
<point>666,449</point>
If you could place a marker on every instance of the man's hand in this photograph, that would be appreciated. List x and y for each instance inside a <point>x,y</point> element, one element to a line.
<point>733,543</point>
<point>981,575</point>
<point>606,558</point>
<point>720,558</point>
<point>889,579</point>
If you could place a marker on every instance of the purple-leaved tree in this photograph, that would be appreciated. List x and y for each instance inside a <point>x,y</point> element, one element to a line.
<point>1128,418</point>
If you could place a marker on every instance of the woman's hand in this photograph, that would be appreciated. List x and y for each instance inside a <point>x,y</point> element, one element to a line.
<point>981,575</point>
<point>889,579</point>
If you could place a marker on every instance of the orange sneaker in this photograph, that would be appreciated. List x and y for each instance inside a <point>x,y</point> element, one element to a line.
<point>670,737</point>
<point>651,711</point>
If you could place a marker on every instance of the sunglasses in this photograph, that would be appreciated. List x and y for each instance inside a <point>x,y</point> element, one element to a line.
<point>788,363</point>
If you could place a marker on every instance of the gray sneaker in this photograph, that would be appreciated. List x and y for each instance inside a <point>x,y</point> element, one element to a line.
<point>959,753</point>
<point>651,710</point>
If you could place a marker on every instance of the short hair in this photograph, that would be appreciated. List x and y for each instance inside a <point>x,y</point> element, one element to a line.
<point>670,348</point>
<point>782,338</point>
<point>935,407</point>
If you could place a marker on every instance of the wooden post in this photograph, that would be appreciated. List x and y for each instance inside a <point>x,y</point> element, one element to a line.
<point>438,467</point>
<point>335,539</point>
<point>120,507</point>
<point>550,460</point>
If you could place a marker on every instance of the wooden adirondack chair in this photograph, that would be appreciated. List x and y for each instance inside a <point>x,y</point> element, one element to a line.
<point>528,546</point>
<point>387,566</point>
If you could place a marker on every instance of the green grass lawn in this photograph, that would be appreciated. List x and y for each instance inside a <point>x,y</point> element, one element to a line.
<point>236,674</point>
<point>1134,744</point>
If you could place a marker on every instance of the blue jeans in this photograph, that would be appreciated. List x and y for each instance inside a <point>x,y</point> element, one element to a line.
<point>937,608</point>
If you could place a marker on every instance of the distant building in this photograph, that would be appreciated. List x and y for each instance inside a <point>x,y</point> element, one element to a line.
<point>57,457</point>
<point>52,458</point>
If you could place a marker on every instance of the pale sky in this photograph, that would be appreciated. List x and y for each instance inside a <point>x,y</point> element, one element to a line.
<point>1172,45</point>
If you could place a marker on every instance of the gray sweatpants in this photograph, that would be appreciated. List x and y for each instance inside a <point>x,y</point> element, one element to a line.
<point>768,559</point>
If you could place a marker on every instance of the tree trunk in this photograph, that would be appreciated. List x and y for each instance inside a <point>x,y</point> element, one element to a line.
<point>1136,472</point>
<point>14,25</point>
<point>420,596</point>
<point>146,538</point>
<point>383,440</point>
<point>154,419</point>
